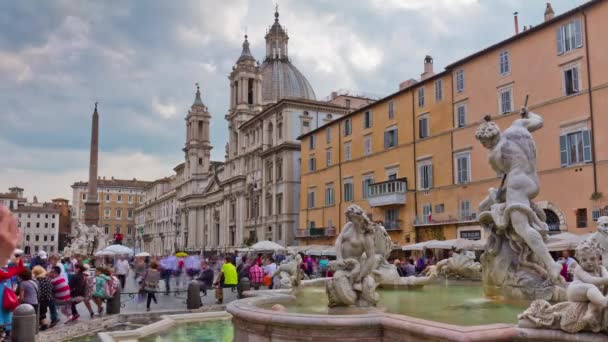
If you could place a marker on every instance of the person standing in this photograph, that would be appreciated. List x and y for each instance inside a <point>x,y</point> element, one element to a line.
<point>165,265</point>
<point>45,294</point>
<point>122,270</point>
<point>256,276</point>
<point>269,270</point>
<point>150,283</point>
<point>230,279</point>
<point>409,269</point>
<point>61,291</point>
<point>28,289</point>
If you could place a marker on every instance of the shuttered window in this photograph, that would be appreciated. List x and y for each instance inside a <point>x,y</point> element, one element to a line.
<point>575,148</point>
<point>569,36</point>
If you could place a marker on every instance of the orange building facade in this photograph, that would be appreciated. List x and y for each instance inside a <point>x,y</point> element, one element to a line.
<point>412,161</point>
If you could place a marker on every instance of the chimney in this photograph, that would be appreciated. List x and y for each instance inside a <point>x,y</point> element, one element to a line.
<point>549,12</point>
<point>334,94</point>
<point>515,23</point>
<point>428,68</point>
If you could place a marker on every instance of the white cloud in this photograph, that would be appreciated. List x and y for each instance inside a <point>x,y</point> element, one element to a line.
<point>49,173</point>
<point>165,110</point>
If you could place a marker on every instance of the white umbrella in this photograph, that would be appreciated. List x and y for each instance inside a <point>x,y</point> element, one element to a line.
<point>18,251</point>
<point>142,254</point>
<point>119,249</point>
<point>267,246</point>
<point>565,241</point>
<point>104,253</point>
<point>417,246</point>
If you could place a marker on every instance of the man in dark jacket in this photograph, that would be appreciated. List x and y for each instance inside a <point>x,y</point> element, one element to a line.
<point>206,277</point>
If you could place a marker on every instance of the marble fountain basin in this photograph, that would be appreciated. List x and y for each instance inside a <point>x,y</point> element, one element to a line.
<point>441,311</point>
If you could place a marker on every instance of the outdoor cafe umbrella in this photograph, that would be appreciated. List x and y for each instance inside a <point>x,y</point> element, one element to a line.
<point>181,254</point>
<point>119,249</point>
<point>104,253</point>
<point>417,246</point>
<point>267,246</point>
<point>142,254</point>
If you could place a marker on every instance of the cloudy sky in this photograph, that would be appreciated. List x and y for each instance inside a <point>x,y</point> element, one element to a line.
<point>140,60</point>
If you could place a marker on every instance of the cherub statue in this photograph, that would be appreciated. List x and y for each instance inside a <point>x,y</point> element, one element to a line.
<point>587,303</point>
<point>460,265</point>
<point>601,237</point>
<point>289,272</point>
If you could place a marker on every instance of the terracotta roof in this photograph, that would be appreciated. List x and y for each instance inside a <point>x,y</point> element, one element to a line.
<point>115,183</point>
<point>525,33</point>
<point>46,207</point>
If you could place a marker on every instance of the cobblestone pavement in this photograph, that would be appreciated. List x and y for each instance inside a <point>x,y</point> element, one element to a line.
<point>172,301</point>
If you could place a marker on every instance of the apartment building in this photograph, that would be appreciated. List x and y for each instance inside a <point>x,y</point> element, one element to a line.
<point>412,161</point>
<point>118,199</point>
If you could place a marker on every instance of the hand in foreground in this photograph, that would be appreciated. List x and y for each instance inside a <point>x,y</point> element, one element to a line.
<point>9,234</point>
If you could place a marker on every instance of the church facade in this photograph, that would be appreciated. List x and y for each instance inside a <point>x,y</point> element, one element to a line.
<point>254,194</point>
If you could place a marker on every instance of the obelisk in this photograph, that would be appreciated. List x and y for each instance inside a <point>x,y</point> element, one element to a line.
<point>91,206</point>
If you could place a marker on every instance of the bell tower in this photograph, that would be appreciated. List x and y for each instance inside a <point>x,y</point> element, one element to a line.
<point>245,95</point>
<point>198,146</point>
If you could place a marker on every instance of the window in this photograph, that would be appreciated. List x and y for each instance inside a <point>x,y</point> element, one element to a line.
<point>571,80</point>
<point>118,213</point>
<point>575,148</point>
<point>427,212</point>
<point>106,213</point>
<point>46,216</point>
<point>347,155</point>
<point>130,213</point>
<point>391,109</point>
<point>312,225</point>
<point>420,97</point>
<point>107,197</point>
<point>37,238</point>
<point>269,205</point>
<point>312,164</point>
<point>37,224</point>
<point>438,90</point>
<point>280,130</point>
<point>391,216</point>
<point>130,198</point>
<point>463,167</point>
<point>84,196</point>
<point>28,225</point>
<point>279,169</point>
<point>329,194</point>
<point>311,142</point>
<point>200,161</point>
<point>506,101</point>
<point>328,135</point>
<point>269,171</point>
<point>367,145</point>
<point>129,230</point>
<point>311,198</point>
<point>117,229</point>
<point>348,190</point>
<point>45,238</point>
<point>52,225</point>
<point>328,157</point>
<point>504,63</point>
<point>367,119</point>
<point>347,103</point>
<point>461,115</point>
<point>106,229</point>
<point>569,36</point>
<point>46,225</point>
<point>423,126</point>
<point>425,174</point>
<point>27,238</point>
<point>581,218</point>
<point>368,180</point>
<point>390,137</point>
<point>348,129</point>
<point>460,81</point>
<point>279,199</point>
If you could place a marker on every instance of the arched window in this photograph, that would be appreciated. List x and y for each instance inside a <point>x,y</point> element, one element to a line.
<point>552,221</point>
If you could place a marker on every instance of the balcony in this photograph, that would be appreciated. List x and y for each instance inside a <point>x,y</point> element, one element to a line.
<point>443,218</point>
<point>392,225</point>
<point>316,232</point>
<point>387,193</point>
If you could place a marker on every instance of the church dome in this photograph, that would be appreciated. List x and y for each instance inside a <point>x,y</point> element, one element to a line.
<point>282,79</point>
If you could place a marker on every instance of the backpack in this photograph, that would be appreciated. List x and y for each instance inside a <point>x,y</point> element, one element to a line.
<point>110,287</point>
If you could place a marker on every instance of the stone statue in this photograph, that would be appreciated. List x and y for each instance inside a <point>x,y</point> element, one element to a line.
<point>361,266</point>
<point>586,308</point>
<point>601,237</point>
<point>459,265</point>
<point>289,272</point>
<point>87,240</point>
<point>516,263</point>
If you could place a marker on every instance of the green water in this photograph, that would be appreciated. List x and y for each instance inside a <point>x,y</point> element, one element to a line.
<point>458,302</point>
<point>213,331</point>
